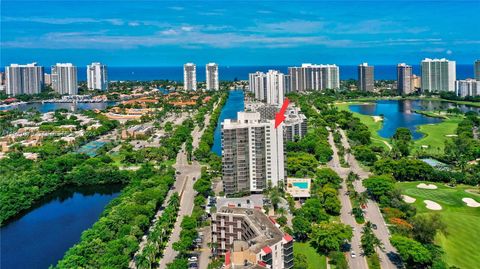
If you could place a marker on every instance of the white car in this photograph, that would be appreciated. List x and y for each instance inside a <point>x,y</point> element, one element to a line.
<point>353,254</point>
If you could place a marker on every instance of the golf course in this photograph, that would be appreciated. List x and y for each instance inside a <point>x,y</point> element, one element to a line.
<point>461,243</point>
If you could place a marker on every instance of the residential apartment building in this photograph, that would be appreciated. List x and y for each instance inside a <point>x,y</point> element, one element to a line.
<point>404,79</point>
<point>48,79</point>
<point>467,87</point>
<point>211,70</point>
<point>190,77</point>
<point>252,153</point>
<point>477,69</point>
<point>64,78</point>
<point>250,239</point>
<point>366,82</point>
<point>295,124</point>
<point>269,87</point>
<point>257,84</point>
<point>416,82</point>
<point>97,77</point>
<point>24,79</point>
<point>438,75</point>
<point>275,88</point>
<point>2,78</point>
<point>314,77</point>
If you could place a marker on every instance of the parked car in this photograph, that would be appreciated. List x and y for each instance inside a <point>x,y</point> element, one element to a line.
<point>374,226</point>
<point>353,254</point>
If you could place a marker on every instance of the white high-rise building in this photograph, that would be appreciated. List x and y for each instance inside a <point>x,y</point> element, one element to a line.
<point>275,88</point>
<point>24,79</point>
<point>366,81</point>
<point>64,78</point>
<point>268,87</point>
<point>190,77</point>
<point>438,75</point>
<point>211,70</point>
<point>467,87</point>
<point>252,153</point>
<point>257,84</point>
<point>404,79</point>
<point>314,77</point>
<point>97,77</point>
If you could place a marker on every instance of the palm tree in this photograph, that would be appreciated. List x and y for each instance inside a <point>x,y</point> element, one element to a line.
<point>150,252</point>
<point>142,262</point>
<point>281,211</point>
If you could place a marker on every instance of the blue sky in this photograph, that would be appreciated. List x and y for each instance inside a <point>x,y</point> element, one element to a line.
<point>167,33</point>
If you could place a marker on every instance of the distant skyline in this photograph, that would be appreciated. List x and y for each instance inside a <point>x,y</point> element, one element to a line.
<point>170,33</point>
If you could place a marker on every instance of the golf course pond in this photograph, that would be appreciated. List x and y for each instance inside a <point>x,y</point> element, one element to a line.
<point>401,113</point>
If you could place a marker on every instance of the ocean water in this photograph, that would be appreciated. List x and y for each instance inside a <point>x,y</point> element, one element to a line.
<point>241,72</point>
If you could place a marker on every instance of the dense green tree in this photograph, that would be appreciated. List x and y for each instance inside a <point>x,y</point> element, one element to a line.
<point>329,236</point>
<point>379,186</point>
<point>300,261</point>
<point>369,241</point>
<point>426,226</point>
<point>412,252</point>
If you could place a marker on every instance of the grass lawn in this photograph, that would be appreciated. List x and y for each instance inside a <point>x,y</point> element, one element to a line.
<point>435,135</point>
<point>314,260</point>
<point>463,222</point>
<point>373,126</point>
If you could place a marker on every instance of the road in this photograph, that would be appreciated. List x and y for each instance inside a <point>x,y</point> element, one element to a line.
<point>187,194</point>
<point>389,256</point>
<point>346,217</point>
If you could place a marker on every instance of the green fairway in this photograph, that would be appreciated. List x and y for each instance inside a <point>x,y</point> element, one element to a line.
<point>372,125</point>
<point>463,222</point>
<point>315,260</point>
<point>435,135</point>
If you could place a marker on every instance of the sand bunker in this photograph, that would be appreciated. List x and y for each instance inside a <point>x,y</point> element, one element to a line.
<point>377,118</point>
<point>432,205</point>
<point>470,202</point>
<point>451,135</point>
<point>408,199</point>
<point>427,186</point>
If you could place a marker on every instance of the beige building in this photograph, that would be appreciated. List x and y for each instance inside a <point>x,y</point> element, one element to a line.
<point>248,238</point>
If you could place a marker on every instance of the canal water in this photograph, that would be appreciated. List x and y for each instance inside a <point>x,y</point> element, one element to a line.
<point>400,113</point>
<point>233,105</point>
<point>40,237</point>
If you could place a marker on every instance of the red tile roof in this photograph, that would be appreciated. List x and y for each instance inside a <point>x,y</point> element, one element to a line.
<point>267,250</point>
<point>288,237</point>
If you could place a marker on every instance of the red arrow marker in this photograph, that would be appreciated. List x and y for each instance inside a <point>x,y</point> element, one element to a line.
<point>280,116</point>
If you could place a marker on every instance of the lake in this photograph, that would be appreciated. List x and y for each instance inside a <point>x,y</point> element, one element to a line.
<point>47,107</point>
<point>41,236</point>
<point>233,105</point>
<point>399,113</point>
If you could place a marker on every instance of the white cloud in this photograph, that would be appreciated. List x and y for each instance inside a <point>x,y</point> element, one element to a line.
<point>134,24</point>
<point>448,52</point>
<point>187,28</point>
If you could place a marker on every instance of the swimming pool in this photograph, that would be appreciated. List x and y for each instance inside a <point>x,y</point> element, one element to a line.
<point>300,185</point>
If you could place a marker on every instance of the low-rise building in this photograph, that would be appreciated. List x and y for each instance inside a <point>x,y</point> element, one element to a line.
<point>137,131</point>
<point>248,238</point>
<point>467,87</point>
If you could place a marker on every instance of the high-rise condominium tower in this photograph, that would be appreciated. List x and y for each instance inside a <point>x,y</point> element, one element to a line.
<point>366,78</point>
<point>190,77</point>
<point>314,77</point>
<point>477,69</point>
<point>64,78</point>
<point>438,75</point>
<point>404,79</point>
<point>252,153</point>
<point>211,70</point>
<point>467,87</point>
<point>97,78</point>
<point>268,87</point>
<point>257,84</point>
<point>24,79</point>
